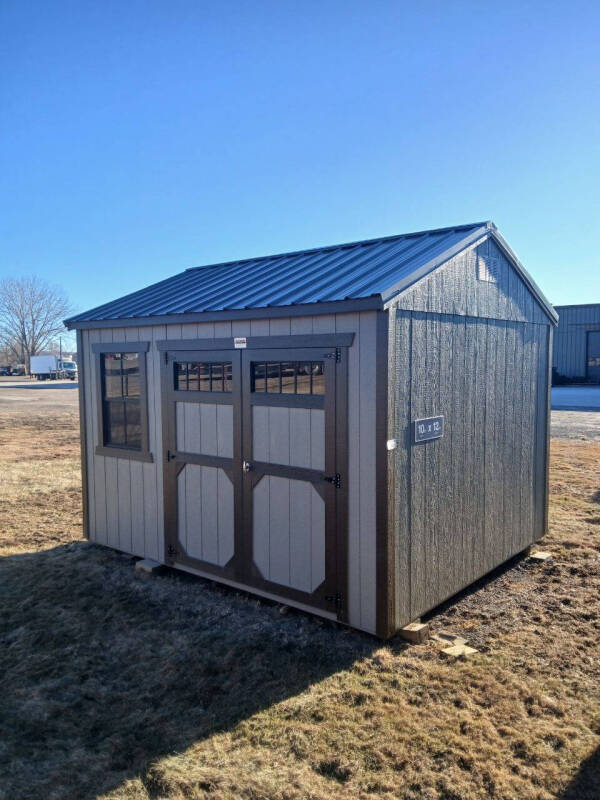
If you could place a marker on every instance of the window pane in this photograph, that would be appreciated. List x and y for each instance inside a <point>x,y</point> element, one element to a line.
<point>193,369</point>
<point>114,421</point>
<point>181,375</point>
<point>259,371</point>
<point>133,424</point>
<point>318,378</point>
<point>216,377</point>
<point>112,375</point>
<point>204,377</point>
<point>227,376</point>
<point>593,355</point>
<point>303,379</point>
<point>288,370</point>
<point>273,374</point>
<point>131,374</point>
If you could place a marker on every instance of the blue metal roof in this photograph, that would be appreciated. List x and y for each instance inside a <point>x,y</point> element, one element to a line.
<point>366,269</point>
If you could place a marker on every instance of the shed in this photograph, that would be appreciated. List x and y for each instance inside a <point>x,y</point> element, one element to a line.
<point>358,430</point>
<point>576,355</point>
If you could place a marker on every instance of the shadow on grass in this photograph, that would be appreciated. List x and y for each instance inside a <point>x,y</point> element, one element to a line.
<point>586,784</point>
<point>103,672</point>
<point>476,586</point>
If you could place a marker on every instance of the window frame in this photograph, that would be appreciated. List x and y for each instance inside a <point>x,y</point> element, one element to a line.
<point>114,450</point>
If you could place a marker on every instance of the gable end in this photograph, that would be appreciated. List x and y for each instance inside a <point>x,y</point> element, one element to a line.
<point>484,280</point>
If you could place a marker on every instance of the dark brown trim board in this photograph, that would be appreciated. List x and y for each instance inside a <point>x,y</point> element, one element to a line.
<point>276,312</point>
<point>384,542</point>
<point>258,342</point>
<point>83,434</point>
<point>120,347</point>
<point>111,451</point>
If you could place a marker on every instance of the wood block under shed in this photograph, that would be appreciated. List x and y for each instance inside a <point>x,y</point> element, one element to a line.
<point>444,637</point>
<point>148,566</point>
<point>415,632</point>
<point>541,555</point>
<point>459,651</point>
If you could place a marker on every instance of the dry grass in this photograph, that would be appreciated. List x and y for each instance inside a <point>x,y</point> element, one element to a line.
<point>40,498</point>
<point>120,686</point>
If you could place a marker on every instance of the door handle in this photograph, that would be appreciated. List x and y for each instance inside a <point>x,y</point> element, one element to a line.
<point>246,466</point>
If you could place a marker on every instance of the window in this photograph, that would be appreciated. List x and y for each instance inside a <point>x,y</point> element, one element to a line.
<point>593,355</point>
<point>288,377</point>
<point>122,401</point>
<point>199,376</point>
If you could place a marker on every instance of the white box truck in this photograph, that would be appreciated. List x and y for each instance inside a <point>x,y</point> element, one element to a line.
<point>45,368</point>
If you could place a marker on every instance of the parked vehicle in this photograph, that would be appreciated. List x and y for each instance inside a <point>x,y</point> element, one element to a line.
<point>4,371</point>
<point>52,368</point>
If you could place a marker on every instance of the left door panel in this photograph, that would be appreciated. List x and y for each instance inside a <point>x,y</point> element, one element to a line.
<point>201,438</point>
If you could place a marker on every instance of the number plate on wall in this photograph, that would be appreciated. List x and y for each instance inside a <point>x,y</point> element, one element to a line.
<point>429,428</point>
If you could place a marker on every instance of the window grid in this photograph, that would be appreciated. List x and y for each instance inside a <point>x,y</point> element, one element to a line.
<point>121,400</point>
<point>201,376</point>
<point>288,377</point>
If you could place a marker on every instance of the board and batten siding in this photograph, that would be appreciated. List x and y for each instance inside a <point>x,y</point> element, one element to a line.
<point>477,352</point>
<point>125,497</point>
<point>569,355</point>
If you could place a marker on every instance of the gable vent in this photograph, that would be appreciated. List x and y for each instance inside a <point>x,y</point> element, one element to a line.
<point>487,268</point>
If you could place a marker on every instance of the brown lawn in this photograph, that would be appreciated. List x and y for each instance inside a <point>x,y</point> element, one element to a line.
<point>114,685</point>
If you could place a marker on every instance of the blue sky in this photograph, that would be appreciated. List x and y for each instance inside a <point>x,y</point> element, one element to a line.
<point>141,138</point>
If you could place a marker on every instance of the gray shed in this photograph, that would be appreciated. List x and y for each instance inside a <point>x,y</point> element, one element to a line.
<point>358,430</point>
<point>576,354</point>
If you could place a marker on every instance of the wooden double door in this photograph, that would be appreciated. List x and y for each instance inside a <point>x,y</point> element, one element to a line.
<point>254,444</point>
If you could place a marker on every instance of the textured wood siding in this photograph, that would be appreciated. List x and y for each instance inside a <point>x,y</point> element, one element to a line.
<point>126,497</point>
<point>466,502</point>
<point>570,338</point>
<point>476,351</point>
<point>455,288</point>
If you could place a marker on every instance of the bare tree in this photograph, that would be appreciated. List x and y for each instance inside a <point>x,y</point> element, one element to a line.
<point>31,315</point>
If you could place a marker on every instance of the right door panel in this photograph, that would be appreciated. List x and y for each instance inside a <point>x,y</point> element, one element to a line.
<point>289,462</point>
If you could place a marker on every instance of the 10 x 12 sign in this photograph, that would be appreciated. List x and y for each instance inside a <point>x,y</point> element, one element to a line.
<point>429,428</point>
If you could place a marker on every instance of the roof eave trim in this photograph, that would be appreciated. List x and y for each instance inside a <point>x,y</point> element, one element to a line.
<point>372,303</point>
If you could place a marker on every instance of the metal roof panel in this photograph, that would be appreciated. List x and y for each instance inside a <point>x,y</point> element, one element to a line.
<point>321,275</point>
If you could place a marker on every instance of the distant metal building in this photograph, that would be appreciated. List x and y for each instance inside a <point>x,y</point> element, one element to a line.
<point>576,354</point>
<point>358,430</point>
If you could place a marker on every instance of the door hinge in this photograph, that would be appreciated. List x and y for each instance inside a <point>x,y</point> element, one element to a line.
<point>172,551</point>
<point>170,455</point>
<point>166,357</point>
<point>336,599</point>
<point>336,355</point>
<point>335,480</point>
